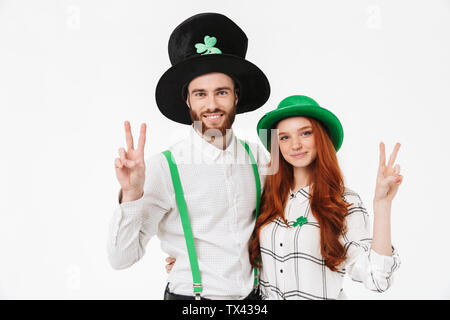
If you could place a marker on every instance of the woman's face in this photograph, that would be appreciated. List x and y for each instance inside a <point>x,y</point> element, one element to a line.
<point>296,140</point>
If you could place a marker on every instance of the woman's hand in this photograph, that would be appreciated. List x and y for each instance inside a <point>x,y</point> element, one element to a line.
<point>388,177</point>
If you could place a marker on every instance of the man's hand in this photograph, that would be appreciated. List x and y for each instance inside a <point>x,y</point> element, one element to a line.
<point>170,262</point>
<point>130,167</point>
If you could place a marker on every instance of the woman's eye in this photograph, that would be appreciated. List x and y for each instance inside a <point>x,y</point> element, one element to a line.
<point>306,133</point>
<point>283,137</point>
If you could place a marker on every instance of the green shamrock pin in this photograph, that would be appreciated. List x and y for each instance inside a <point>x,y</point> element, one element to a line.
<point>300,221</point>
<point>208,46</point>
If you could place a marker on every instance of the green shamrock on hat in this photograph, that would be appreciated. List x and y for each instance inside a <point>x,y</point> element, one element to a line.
<point>208,46</point>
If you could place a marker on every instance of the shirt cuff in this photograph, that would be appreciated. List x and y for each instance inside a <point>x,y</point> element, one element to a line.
<point>132,207</point>
<point>384,263</point>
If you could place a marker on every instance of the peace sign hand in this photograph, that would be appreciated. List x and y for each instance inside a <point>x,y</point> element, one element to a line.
<point>388,177</point>
<point>130,167</point>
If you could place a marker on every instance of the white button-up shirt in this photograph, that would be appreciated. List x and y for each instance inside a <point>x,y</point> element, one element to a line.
<point>219,188</point>
<point>292,263</point>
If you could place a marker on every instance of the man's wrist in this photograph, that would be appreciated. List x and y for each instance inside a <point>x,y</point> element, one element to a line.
<point>128,196</point>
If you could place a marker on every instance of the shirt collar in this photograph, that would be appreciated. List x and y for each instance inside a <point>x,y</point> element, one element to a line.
<point>302,193</point>
<point>210,150</point>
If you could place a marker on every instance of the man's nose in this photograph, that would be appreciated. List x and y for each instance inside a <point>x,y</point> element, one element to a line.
<point>212,103</point>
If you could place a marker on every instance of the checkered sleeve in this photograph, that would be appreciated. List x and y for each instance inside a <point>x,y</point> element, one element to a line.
<point>364,264</point>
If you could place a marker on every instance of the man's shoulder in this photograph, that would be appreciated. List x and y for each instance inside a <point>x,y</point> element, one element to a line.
<point>262,156</point>
<point>178,150</point>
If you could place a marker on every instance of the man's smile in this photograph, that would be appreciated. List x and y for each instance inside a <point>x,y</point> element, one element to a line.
<point>213,117</point>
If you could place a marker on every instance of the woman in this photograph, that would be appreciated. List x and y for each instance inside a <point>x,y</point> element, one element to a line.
<point>311,230</point>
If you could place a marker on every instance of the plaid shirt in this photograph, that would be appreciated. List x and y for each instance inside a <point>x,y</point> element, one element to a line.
<point>293,267</point>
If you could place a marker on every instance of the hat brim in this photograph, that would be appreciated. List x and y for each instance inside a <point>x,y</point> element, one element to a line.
<point>254,88</point>
<point>328,119</point>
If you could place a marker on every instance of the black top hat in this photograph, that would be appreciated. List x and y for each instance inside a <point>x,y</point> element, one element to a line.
<point>205,43</point>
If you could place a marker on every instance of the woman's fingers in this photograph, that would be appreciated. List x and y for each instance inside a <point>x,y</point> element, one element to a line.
<point>382,154</point>
<point>393,180</point>
<point>393,155</point>
<point>128,135</point>
<point>382,158</point>
<point>170,262</point>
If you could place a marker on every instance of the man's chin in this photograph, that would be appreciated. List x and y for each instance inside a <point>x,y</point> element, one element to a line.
<point>212,130</point>
<point>222,126</point>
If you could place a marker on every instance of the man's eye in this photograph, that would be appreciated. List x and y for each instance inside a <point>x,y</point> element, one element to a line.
<point>199,94</point>
<point>222,93</point>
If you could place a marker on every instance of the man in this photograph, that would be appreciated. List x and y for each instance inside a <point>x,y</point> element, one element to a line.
<point>209,82</point>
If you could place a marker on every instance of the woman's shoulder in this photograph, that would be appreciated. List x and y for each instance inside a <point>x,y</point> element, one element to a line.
<point>350,196</point>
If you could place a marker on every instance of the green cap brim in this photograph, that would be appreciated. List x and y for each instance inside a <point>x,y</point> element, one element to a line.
<point>326,117</point>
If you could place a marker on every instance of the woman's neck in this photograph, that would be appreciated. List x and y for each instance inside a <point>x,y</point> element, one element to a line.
<point>301,177</point>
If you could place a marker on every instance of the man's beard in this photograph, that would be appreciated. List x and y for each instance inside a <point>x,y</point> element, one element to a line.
<point>229,119</point>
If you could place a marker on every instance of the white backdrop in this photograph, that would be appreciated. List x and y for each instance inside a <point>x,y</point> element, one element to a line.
<point>71,71</point>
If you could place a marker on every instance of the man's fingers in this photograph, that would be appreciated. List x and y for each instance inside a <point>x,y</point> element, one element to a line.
<point>128,135</point>
<point>130,164</point>
<point>122,154</point>
<point>118,163</point>
<point>394,155</point>
<point>141,143</point>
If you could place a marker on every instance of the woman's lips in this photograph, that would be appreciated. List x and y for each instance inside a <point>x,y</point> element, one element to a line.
<point>299,155</point>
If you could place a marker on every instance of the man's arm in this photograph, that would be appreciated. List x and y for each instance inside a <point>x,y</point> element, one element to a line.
<point>136,218</point>
<point>134,223</point>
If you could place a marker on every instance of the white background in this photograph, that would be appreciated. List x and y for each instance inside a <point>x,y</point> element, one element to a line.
<point>72,71</point>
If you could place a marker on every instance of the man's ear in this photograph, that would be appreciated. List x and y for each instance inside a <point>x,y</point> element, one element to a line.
<point>187,101</point>
<point>236,97</point>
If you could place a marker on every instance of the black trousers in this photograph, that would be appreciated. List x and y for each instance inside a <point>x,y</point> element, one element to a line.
<point>254,295</point>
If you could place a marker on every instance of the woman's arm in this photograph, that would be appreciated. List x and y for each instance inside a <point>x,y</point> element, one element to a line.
<point>388,182</point>
<point>363,264</point>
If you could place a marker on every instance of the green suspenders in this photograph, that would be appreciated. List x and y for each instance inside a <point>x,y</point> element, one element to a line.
<point>181,203</point>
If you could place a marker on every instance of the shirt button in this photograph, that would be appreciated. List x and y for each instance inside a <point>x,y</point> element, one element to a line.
<point>281,270</point>
<point>281,244</point>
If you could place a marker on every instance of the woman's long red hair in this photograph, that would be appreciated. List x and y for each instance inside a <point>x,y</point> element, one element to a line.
<point>326,199</point>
